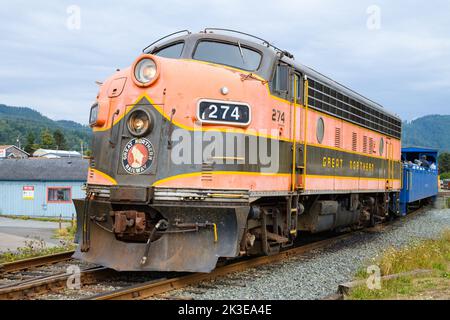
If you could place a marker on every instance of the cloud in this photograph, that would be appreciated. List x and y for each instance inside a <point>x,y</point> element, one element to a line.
<point>405,65</point>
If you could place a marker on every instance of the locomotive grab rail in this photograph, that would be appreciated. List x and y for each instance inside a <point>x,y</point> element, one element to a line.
<point>306,98</point>
<point>111,142</point>
<point>165,37</point>
<point>265,42</point>
<point>294,139</point>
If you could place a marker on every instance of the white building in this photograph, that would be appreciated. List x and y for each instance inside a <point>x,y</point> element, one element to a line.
<point>51,154</point>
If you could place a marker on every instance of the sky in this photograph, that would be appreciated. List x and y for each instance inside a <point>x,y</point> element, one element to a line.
<point>394,52</point>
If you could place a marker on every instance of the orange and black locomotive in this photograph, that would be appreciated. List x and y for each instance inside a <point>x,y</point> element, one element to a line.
<point>217,144</point>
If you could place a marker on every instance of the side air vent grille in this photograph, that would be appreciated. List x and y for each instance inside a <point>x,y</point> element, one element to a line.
<point>337,138</point>
<point>371,145</point>
<point>365,144</point>
<point>354,141</point>
<point>207,171</point>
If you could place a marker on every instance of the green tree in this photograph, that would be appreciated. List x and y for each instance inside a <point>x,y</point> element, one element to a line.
<point>444,162</point>
<point>16,121</point>
<point>60,140</point>
<point>47,141</point>
<point>31,145</point>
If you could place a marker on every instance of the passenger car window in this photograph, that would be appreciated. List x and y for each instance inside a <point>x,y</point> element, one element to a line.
<point>173,51</point>
<point>228,54</point>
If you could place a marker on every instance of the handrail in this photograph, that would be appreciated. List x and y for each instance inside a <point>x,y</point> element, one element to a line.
<point>111,142</point>
<point>265,42</point>
<point>305,134</point>
<point>294,139</point>
<point>417,168</point>
<point>165,37</point>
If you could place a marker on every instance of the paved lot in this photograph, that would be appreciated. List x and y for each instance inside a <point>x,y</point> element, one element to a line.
<point>14,233</point>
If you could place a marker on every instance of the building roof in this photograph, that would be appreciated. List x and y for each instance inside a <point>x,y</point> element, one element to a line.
<point>7,146</point>
<point>44,169</point>
<point>57,153</point>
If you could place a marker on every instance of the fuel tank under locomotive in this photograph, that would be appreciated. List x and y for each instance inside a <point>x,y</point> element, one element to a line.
<point>328,215</point>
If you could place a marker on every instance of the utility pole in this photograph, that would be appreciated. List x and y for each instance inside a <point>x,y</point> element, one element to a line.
<point>82,151</point>
<point>18,141</point>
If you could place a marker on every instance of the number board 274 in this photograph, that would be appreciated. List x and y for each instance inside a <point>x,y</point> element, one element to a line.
<point>224,112</point>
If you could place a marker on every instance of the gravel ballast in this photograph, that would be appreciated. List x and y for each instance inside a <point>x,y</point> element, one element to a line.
<point>319,273</point>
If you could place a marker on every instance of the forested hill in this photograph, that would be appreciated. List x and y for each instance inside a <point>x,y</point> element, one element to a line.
<point>20,122</point>
<point>431,131</point>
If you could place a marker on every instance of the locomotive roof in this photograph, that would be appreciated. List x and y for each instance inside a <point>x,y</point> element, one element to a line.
<point>315,75</point>
<point>270,55</point>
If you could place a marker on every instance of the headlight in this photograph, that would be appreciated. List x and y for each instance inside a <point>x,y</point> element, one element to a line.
<point>145,71</point>
<point>93,116</point>
<point>139,123</point>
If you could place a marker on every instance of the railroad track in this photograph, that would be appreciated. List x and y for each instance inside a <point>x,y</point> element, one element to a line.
<point>54,283</point>
<point>35,262</point>
<point>156,287</point>
<point>33,288</point>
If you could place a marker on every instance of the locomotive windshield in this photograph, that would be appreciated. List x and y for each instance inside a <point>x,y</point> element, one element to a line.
<point>171,51</point>
<point>234,55</point>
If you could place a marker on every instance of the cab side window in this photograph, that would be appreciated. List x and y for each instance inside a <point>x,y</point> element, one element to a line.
<point>280,81</point>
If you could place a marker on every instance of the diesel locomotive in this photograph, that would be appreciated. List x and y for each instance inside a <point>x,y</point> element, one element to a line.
<point>218,144</point>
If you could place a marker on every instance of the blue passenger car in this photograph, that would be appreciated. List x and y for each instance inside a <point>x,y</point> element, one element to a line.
<point>420,177</point>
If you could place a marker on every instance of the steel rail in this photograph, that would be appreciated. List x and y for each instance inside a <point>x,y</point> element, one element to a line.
<point>35,262</point>
<point>156,287</point>
<point>35,287</point>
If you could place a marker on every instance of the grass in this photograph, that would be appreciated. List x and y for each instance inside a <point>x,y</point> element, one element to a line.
<point>426,254</point>
<point>66,233</point>
<point>402,285</point>
<point>45,219</point>
<point>34,248</point>
<point>37,247</point>
<point>435,286</point>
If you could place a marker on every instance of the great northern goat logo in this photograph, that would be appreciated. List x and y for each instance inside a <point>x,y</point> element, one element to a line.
<point>137,156</point>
